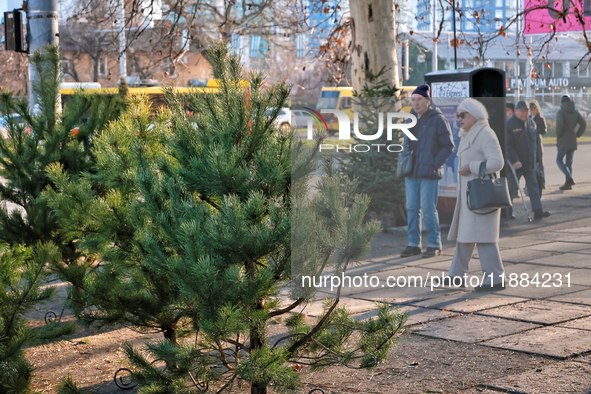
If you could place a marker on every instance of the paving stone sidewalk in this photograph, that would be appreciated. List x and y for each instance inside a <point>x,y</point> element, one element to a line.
<point>549,317</point>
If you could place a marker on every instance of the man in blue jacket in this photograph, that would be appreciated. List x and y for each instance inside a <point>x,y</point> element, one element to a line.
<point>522,147</point>
<point>433,146</point>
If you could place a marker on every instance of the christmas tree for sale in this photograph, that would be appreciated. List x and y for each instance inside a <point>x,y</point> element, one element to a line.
<point>215,214</point>
<point>375,169</point>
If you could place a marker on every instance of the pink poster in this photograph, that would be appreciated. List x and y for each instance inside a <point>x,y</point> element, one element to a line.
<point>546,16</point>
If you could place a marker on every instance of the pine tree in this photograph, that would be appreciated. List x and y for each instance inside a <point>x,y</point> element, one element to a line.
<point>191,213</point>
<point>376,170</point>
<point>45,136</point>
<point>22,270</point>
<point>101,210</point>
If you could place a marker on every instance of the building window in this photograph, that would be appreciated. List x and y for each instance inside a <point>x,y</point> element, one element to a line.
<point>236,43</point>
<point>258,47</point>
<point>558,70</point>
<point>103,69</point>
<point>583,70</point>
<point>300,45</point>
<point>66,66</point>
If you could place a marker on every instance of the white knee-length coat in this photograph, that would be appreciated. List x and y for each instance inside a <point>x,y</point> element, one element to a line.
<point>478,144</point>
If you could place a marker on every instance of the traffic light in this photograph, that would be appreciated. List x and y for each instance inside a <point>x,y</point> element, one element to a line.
<point>15,31</point>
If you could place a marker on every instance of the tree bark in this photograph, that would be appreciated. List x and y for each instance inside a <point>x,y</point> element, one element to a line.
<point>374,40</point>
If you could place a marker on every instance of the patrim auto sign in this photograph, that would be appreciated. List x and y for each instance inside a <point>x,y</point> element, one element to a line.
<point>540,83</point>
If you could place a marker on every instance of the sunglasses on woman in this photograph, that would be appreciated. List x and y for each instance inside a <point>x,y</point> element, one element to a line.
<point>461,115</point>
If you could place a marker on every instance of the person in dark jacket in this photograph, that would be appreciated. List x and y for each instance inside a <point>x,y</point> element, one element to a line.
<point>540,121</point>
<point>522,142</point>
<point>433,146</point>
<point>510,108</point>
<point>570,125</point>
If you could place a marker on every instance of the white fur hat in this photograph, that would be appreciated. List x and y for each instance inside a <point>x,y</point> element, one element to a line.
<point>474,107</point>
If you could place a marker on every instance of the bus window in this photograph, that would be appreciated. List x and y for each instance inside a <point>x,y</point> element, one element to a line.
<point>345,103</point>
<point>328,100</point>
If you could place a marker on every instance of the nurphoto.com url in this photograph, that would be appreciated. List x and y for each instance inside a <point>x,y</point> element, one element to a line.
<point>537,280</point>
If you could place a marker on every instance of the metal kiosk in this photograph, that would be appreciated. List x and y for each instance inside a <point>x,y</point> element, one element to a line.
<point>451,87</point>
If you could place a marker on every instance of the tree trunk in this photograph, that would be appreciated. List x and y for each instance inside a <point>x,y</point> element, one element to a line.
<point>170,334</point>
<point>96,66</point>
<point>374,40</point>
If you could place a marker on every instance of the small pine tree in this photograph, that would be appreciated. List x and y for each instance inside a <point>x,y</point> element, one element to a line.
<point>192,216</point>
<point>101,210</point>
<point>22,270</point>
<point>376,170</point>
<point>45,136</point>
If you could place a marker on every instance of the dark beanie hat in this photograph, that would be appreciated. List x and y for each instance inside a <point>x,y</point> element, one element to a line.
<point>423,90</point>
<point>564,99</point>
<point>511,106</point>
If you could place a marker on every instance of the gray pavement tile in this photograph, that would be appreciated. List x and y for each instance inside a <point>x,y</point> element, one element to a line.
<point>561,247</point>
<point>443,266</point>
<point>577,297</point>
<point>468,302</point>
<point>557,378</point>
<point>586,230</point>
<point>540,311</point>
<point>521,241</point>
<point>354,306</point>
<point>576,260</point>
<point>550,341</point>
<point>401,295</point>
<point>581,324</point>
<point>518,254</point>
<point>472,328</point>
<point>415,315</point>
<point>539,292</point>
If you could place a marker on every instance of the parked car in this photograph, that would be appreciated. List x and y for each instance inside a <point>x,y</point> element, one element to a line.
<point>284,118</point>
<point>300,118</point>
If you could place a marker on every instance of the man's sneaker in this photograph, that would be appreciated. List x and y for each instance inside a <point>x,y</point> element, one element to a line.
<point>566,186</point>
<point>432,252</point>
<point>411,251</point>
<point>541,214</point>
<point>495,287</point>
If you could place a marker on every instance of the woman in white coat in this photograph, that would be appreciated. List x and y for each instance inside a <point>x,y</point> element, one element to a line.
<point>478,143</point>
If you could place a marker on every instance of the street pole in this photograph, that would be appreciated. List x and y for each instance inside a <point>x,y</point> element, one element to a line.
<point>435,57</point>
<point>42,17</point>
<point>517,52</point>
<point>528,90</point>
<point>122,42</point>
<point>455,36</point>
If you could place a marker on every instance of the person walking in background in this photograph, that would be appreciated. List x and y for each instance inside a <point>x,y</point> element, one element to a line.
<point>540,121</point>
<point>522,142</point>
<point>570,125</point>
<point>478,144</point>
<point>433,146</point>
<point>510,108</point>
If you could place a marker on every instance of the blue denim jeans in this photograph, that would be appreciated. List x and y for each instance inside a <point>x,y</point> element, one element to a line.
<point>566,168</point>
<point>421,200</point>
<point>533,189</point>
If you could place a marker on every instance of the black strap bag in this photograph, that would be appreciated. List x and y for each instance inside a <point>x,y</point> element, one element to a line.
<point>405,163</point>
<point>486,195</point>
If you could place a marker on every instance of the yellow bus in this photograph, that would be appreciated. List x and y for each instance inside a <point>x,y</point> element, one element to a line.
<point>341,98</point>
<point>155,93</point>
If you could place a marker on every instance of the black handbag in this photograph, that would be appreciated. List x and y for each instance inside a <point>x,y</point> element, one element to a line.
<point>486,195</point>
<point>405,164</point>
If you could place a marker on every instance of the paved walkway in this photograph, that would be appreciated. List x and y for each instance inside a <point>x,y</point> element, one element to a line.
<point>552,321</point>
